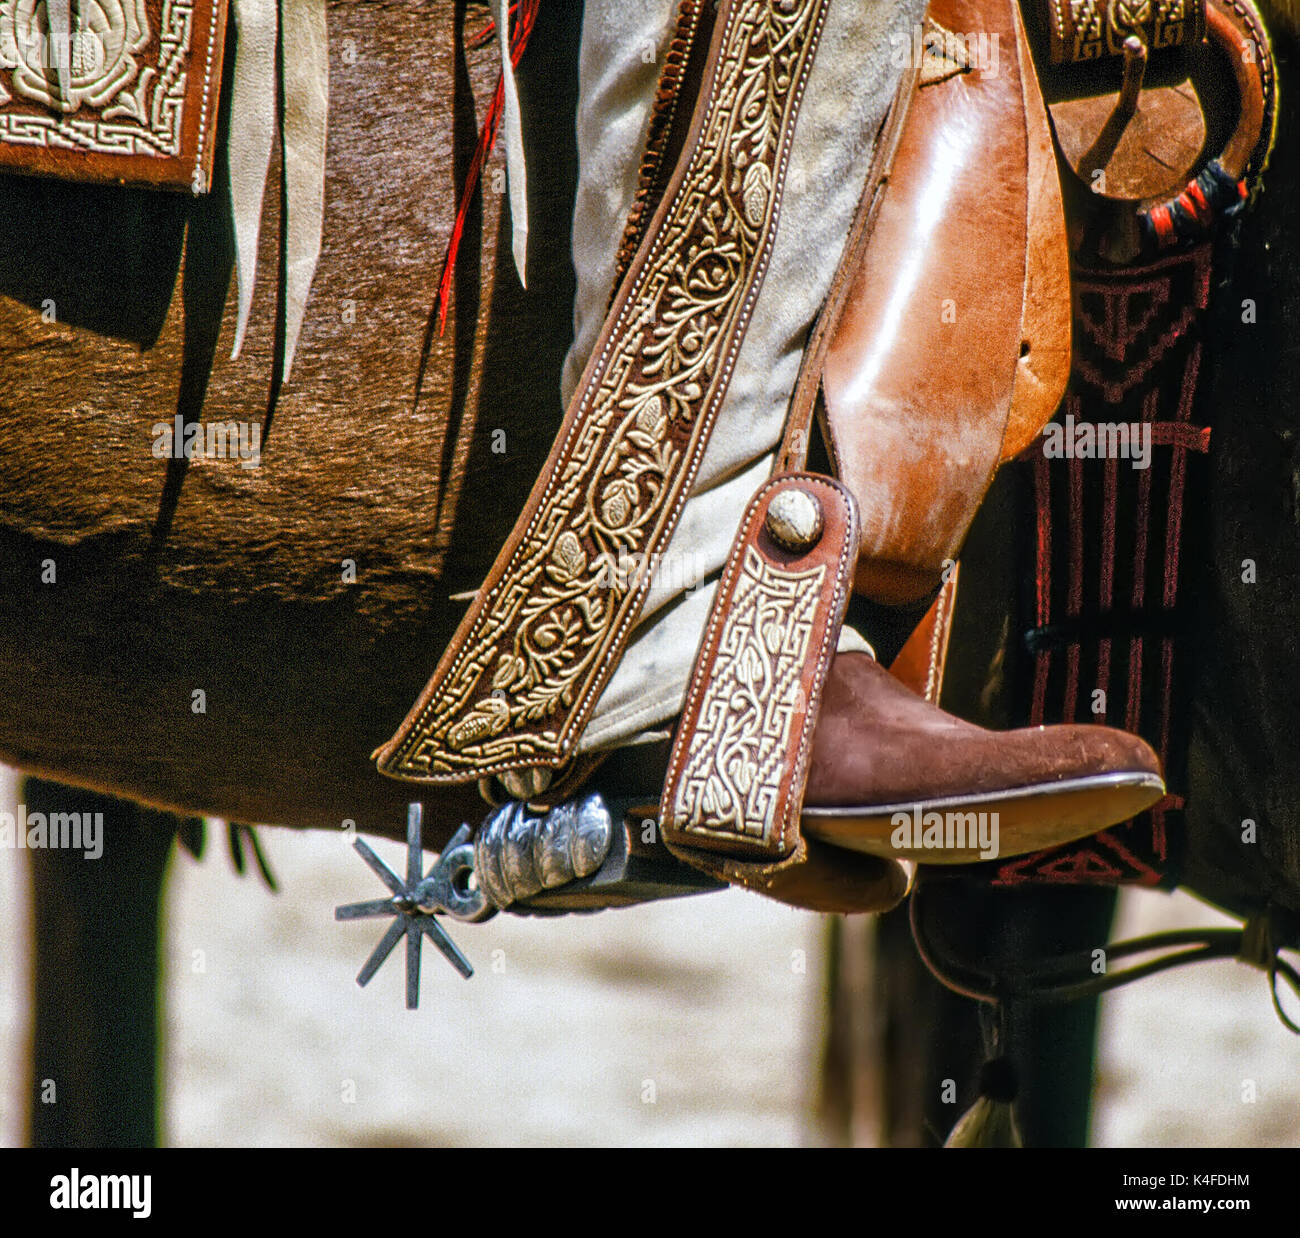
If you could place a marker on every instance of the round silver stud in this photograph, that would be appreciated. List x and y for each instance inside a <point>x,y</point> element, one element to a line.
<point>794,519</point>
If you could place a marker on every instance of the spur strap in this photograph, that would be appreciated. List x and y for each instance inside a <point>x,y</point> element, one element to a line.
<point>518,682</point>
<point>740,758</point>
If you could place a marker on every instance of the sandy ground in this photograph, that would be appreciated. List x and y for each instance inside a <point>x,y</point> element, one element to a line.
<point>689,1022</point>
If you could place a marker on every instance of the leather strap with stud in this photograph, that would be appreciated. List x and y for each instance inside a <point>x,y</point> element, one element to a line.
<point>740,757</point>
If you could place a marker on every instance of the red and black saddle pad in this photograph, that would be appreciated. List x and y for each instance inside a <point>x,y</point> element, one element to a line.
<point>1115,492</point>
<point>116,91</point>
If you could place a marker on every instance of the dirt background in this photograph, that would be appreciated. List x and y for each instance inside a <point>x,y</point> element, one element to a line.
<point>691,1022</point>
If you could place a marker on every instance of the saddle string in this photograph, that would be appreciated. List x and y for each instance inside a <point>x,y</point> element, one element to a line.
<point>990,1122</point>
<point>525,14</point>
<point>513,130</point>
<point>252,133</point>
<point>58,15</point>
<point>1050,980</point>
<point>485,35</point>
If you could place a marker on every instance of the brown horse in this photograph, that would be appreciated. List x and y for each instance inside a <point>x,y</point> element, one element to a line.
<point>209,638</point>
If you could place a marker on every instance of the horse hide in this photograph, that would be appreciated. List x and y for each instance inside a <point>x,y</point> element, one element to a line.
<point>303,595</point>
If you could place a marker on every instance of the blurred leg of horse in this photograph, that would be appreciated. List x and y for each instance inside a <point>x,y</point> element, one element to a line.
<point>1242,761</point>
<point>903,1054</point>
<point>95,1007</point>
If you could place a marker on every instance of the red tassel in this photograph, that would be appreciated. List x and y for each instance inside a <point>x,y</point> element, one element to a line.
<point>525,17</point>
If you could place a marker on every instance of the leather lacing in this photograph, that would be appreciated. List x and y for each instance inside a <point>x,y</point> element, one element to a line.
<point>1259,942</point>
<point>524,13</point>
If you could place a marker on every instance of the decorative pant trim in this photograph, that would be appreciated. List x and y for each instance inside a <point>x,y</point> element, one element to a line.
<point>519,681</point>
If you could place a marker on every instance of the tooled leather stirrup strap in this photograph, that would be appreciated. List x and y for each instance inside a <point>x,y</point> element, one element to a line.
<point>739,762</point>
<point>519,681</point>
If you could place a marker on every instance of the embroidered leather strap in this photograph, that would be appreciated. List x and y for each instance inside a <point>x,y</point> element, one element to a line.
<point>517,684</point>
<point>740,759</point>
<point>1082,30</point>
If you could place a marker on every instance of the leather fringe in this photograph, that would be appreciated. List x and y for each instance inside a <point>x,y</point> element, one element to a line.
<point>281,55</point>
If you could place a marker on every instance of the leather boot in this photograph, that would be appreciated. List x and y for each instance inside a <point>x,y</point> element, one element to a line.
<point>892,775</point>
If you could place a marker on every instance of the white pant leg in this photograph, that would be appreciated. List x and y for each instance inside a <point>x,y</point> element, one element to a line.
<point>850,87</point>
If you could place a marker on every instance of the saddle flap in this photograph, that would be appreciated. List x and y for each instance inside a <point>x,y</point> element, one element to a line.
<point>740,757</point>
<point>954,336</point>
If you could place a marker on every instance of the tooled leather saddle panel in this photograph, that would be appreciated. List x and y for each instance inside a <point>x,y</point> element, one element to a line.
<point>129,97</point>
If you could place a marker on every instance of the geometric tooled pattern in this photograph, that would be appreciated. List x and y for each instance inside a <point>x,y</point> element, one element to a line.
<point>537,646</point>
<point>1127,327</point>
<point>1113,549</point>
<point>120,85</point>
<point>1121,855</point>
<point>1090,29</point>
<point>100,55</point>
<point>740,747</point>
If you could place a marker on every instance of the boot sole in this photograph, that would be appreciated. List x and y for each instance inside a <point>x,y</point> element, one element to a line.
<point>1028,818</point>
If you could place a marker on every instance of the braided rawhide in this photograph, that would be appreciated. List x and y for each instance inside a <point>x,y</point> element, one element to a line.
<point>1225,184</point>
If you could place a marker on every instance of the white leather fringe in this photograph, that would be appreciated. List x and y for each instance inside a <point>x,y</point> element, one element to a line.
<point>304,83</point>
<point>299,79</point>
<point>252,129</point>
<point>512,134</point>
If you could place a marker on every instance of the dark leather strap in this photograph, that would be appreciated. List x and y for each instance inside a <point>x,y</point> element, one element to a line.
<point>519,681</point>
